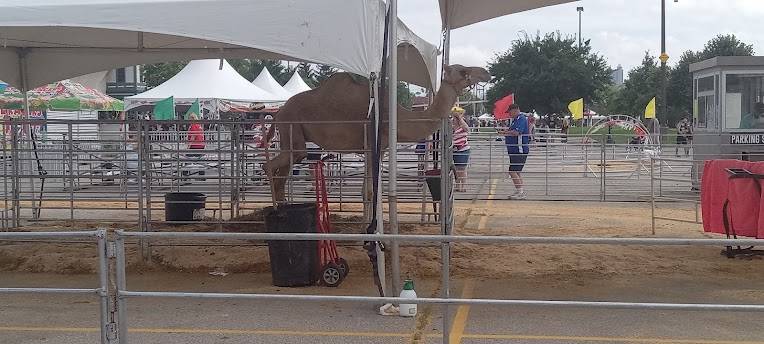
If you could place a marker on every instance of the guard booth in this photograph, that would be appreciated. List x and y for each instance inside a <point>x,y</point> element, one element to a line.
<point>728,109</point>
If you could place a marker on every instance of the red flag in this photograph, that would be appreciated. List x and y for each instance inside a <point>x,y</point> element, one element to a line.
<point>501,107</point>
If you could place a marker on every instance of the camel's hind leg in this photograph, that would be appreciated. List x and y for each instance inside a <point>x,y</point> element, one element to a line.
<point>292,151</point>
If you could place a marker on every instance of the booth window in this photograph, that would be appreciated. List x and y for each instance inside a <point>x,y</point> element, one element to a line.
<point>744,101</point>
<point>121,76</point>
<point>705,97</point>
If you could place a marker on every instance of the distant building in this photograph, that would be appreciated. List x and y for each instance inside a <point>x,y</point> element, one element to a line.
<point>125,82</point>
<point>617,76</point>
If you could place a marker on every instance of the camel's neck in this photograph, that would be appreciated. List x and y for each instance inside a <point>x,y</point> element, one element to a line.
<point>414,131</point>
<point>441,105</point>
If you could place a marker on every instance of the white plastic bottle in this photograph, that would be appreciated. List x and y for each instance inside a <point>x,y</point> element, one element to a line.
<point>408,309</point>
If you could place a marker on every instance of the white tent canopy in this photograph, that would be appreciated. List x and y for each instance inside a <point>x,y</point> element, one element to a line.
<point>266,82</point>
<point>417,59</point>
<point>48,40</point>
<point>296,84</point>
<point>205,81</point>
<point>458,13</point>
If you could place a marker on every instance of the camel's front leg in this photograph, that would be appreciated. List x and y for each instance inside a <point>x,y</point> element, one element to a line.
<point>277,170</point>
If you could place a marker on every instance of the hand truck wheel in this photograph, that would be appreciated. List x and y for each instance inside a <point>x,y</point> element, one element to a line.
<point>342,264</point>
<point>331,275</point>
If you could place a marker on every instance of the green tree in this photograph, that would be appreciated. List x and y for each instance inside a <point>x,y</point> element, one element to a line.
<point>405,97</point>
<point>547,72</point>
<point>307,73</point>
<point>638,89</point>
<point>279,72</point>
<point>679,88</point>
<point>324,72</point>
<point>242,66</point>
<point>157,73</point>
<point>469,109</point>
<point>726,45</point>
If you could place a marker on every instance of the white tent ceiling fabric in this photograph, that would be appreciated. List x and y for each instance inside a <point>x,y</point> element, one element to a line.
<point>296,84</point>
<point>266,82</point>
<point>204,80</point>
<point>417,58</point>
<point>61,39</point>
<point>459,13</point>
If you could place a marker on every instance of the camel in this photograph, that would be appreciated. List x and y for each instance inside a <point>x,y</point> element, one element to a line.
<point>342,99</point>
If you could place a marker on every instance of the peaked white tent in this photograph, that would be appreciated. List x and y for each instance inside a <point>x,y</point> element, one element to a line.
<point>266,82</point>
<point>296,85</point>
<point>206,81</point>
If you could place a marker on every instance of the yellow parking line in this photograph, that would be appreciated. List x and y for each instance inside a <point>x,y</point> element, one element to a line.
<point>462,313</point>
<point>569,339</point>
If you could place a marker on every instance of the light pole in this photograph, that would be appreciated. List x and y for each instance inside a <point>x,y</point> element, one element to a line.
<point>580,10</point>
<point>664,58</point>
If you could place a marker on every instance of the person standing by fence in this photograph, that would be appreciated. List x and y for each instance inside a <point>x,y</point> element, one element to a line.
<point>516,138</point>
<point>683,135</point>
<point>461,147</point>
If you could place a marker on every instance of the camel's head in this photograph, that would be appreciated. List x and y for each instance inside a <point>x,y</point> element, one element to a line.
<point>461,77</point>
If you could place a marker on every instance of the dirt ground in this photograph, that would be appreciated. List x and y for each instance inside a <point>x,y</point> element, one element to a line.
<point>566,263</point>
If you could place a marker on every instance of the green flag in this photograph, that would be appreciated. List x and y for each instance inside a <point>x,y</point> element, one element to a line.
<point>194,109</point>
<point>165,109</point>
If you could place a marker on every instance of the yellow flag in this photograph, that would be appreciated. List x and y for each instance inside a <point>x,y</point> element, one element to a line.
<point>576,108</point>
<point>650,109</point>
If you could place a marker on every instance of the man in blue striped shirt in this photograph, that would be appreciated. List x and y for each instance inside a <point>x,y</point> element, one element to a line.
<point>516,138</point>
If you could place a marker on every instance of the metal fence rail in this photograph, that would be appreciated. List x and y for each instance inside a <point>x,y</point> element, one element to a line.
<point>123,293</point>
<point>107,323</point>
<point>123,175</point>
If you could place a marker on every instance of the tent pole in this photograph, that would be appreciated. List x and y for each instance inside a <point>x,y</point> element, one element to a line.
<point>392,190</point>
<point>26,128</point>
<point>445,195</point>
<point>380,216</point>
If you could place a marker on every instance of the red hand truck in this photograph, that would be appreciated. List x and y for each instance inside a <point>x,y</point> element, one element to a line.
<point>333,268</point>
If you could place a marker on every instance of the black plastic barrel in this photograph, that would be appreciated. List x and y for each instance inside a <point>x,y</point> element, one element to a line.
<point>294,263</point>
<point>433,183</point>
<point>184,206</point>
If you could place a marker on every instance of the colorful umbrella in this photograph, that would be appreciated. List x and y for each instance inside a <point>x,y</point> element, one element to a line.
<point>62,96</point>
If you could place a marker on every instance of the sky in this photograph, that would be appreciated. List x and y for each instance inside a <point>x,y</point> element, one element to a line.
<point>619,30</point>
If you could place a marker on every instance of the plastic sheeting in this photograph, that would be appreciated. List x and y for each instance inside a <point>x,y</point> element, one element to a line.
<point>266,82</point>
<point>458,13</point>
<point>204,80</point>
<point>53,40</point>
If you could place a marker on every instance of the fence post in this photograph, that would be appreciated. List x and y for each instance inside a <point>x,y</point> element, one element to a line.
<point>546,167</point>
<point>660,177</point>
<point>446,195</point>
<point>5,177</point>
<point>585,146</point>
<point>16,184</point>
<point>652,192</point>
<point>219,154</point>
<point>140,174</point>
<point>147,146</point>
<point>103,274</point>
<point>603,168</point>
<point>121,286</point>
<point>71,170</point>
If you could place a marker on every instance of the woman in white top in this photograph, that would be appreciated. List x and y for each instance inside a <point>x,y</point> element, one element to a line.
<point>461,147</point>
